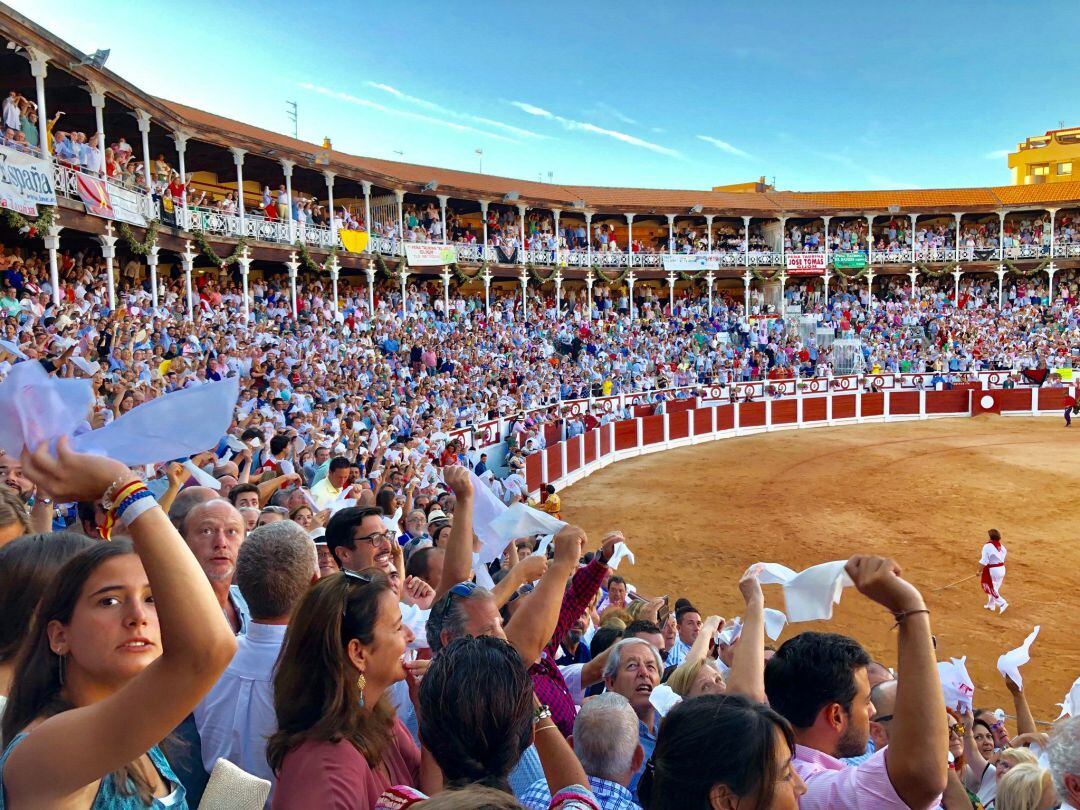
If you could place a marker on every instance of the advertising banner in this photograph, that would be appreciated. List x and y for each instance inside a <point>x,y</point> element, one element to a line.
<point>25,181</point>
<point>849,261</point>
<point>805,264</point>
<point>689,262</point>
<point>126,205</point>
<point>430,255</point>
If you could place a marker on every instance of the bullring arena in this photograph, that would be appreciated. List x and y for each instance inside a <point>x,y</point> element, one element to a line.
<point>923,492</point>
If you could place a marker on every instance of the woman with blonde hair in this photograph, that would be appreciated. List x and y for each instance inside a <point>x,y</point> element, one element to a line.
<point>1026,787</point>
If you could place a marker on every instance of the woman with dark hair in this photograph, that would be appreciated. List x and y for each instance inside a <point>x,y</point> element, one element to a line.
<point>122,647</point>
<point>722,752</point>
<point>27,566</point>
<point>477,715</point>
<point>339,743</point>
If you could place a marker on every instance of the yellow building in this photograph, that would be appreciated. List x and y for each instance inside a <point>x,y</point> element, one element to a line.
<point>1048,158</point>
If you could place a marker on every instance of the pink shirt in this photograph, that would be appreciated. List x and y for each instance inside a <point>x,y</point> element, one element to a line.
<point>335,776</point>
<point>835,785</point>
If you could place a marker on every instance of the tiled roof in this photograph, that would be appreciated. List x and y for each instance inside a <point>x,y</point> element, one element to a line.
<point>608,199</point>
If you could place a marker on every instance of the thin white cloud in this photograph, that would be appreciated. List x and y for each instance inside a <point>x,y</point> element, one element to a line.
<point>584,126</point>
<point>880,181</point>
<point>432,106</point>
<point>374,105</point>
<point>616,114</point>
<point>725,146</point>
<point>997,154</point>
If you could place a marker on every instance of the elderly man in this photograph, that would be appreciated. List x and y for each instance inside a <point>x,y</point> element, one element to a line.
<point>274,569</point>
<point>633,670</point>
<point>1064,756</point>
<point>606,742</point>
<point>214,531</point>
<point>820,683</point>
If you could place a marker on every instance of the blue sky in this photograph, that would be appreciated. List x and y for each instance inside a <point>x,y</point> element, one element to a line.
<point>821,96</point>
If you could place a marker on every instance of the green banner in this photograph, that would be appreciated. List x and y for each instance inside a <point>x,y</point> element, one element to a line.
<point>849,261</point>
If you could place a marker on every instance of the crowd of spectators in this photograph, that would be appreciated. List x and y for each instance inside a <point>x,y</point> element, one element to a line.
<point>317,615</point>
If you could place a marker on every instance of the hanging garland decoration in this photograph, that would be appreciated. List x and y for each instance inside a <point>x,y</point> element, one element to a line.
<point>537,275</point>
<point>310,263</point>
<point>925,269</point>
<point>464,277</point>
<point>853,276</point>
<point>208,251</point>
<point>685,275</point>
<point>39,226</point>
<point>618,278</point>
<point>140,248</point>
<point>1010,265</point>
<point>380,265</point>
<point>760,276</point>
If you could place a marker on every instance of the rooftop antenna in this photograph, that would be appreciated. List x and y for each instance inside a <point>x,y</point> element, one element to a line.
<point>480,158</point>
<point>290,110</point>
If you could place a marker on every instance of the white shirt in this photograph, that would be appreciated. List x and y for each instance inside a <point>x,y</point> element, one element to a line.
<point>237,716</point>
<point>991,556</point>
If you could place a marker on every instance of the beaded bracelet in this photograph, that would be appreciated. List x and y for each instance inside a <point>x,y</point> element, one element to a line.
<point>134,506</point>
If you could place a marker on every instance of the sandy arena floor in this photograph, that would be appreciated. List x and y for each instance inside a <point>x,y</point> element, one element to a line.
<point>922,492</point>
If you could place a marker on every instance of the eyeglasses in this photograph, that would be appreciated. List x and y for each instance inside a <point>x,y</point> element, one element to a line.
<point>885,718</point>
<point>374,539</point>
<point>958,729</point>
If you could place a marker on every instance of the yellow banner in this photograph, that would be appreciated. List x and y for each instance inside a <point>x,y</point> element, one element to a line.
<point>354,241</point>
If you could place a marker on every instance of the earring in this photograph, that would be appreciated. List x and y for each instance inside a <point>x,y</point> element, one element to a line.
<point>60,667</point>
<point>361,682</point>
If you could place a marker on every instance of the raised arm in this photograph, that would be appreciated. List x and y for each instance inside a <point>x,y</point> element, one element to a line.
<point>177,475</point>
<point>457,564</point>
<point>196,646</point>
<point>747,676</point>
<point>975,762</point>
<point>916,758</point>
<point>530,569</point>
<point>1025,723</point>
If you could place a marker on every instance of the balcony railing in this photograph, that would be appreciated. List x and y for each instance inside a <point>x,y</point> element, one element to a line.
<point>67,185</point>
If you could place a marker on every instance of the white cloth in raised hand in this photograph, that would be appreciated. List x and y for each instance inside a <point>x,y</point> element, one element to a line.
<point>391,523</point>
<point>487,507</point>
<point>663,699</point>
<point>1009,663</point>
<point>545,544</point>
<point>809,595</point>
<point>956,684</point>
<point>173,426</point>
<point>774,623</point>
<point>36,408</point>
<point>415,618</point>
<point>202,478</point>
<point>1070,707</point>
<point>622,552</point>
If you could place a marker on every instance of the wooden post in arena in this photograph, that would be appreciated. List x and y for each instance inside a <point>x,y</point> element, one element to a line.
<point>1051,269</point>
<point>956,286</point>
<point>558,293</point>
<point>589,281</point>
<point>446,292</point>
<point>826,278</point>
<point>914,275</point>
<point>487,292</point>
<point>1001,283</point>
<point>52,244</point>
<point>152,264</point>
<point>710,278</point>
<point>370,270</point>
<point>630,279</point>
<point>671,277</point>
<point>524,294</point>
<point>335,269</point>
<point>244,260</point>
<point>746,295</point>
<point>187,261</point>
<point>293,266</point>
<point>108,252</point>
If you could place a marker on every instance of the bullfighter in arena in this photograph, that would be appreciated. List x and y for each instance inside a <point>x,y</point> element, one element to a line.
<point>993,571</point>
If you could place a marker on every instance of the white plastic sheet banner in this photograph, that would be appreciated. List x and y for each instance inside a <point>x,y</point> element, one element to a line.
<point>809,595</point>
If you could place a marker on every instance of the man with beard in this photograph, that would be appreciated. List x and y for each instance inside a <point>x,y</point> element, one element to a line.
<point>820,683</point>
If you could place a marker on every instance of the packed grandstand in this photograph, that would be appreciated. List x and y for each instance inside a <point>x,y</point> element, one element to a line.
<point>380,376</point>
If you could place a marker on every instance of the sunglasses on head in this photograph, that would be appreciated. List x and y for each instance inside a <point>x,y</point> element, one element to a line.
<point>354,576</point>
<point>462,589</point>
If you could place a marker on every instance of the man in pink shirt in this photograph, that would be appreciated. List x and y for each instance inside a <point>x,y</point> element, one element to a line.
<point>819,682</point>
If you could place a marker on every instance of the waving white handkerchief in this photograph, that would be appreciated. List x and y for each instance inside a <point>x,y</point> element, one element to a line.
<point>339,503</point>
<point>1009,663</point>
<point>173,426</point>
<point>518,520</point>
<point>415,619</point>
<point>486,508</point>
<point>1070,707</point>
<point>35,407</point>
<point>731,632</point>
<point>391,523</point>
<point>12,348</point>
<point>663,698</point>
<point>544,545</point>
<point>774,623</point>
<point>622,552</point>
<point>956,684</point>
<point>204,479</point>
<point>85,366</point>
<point>809,594</point>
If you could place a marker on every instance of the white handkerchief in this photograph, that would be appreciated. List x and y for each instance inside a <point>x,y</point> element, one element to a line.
<point>85,366</point>
<point>622,551</point>
<point>483,576</point>
<point>774,623</point>
<point>12,348</point>
<point>1009,663</point>
<point>486,508</point>
<point>731,632</point>
<point>173,426</point>
<point>521,520</point>
<point>810,594</point>
<point>956,684</point>
<point>339,503</point>
<point>663,698</point>
<point>1070,707</point>
<point>235,444</point>
<point>391,523</point>
<point>545,544</point>
<point>203,479</point>
<point>35,407</point>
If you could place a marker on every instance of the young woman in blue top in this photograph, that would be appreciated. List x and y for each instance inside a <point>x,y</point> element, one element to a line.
<point>124,644</point>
